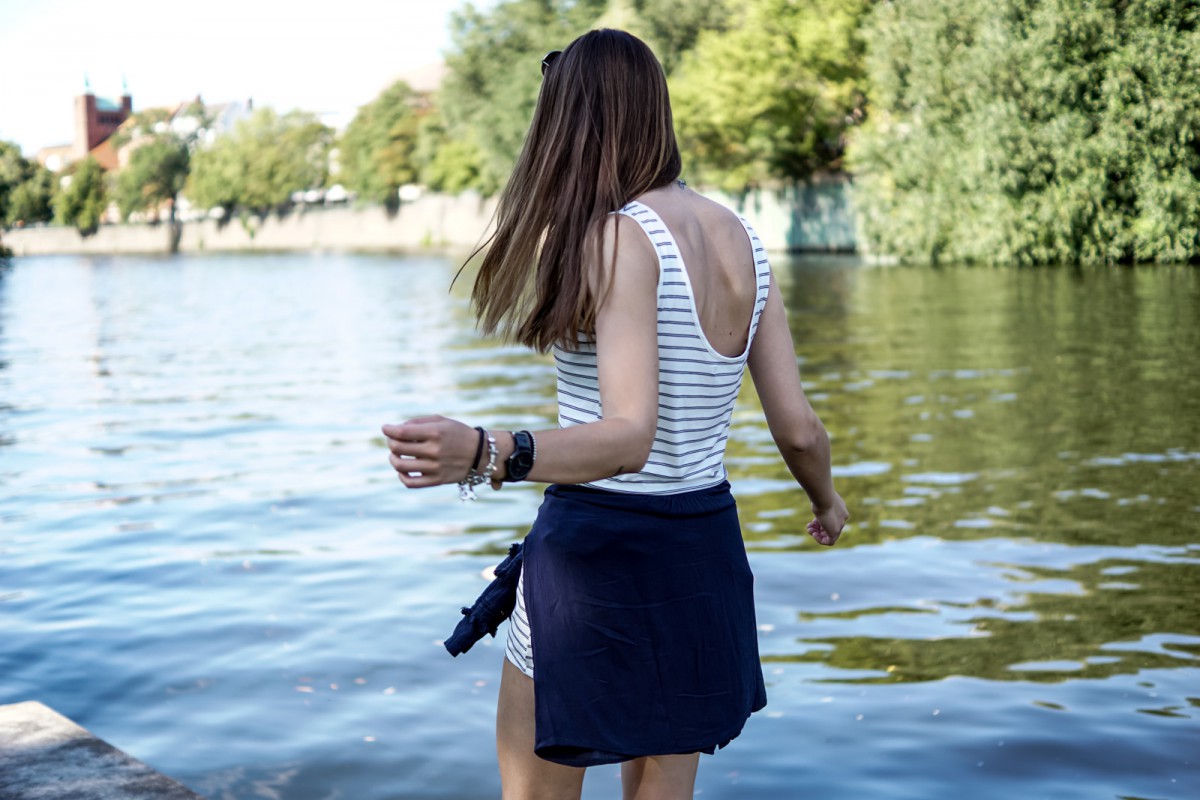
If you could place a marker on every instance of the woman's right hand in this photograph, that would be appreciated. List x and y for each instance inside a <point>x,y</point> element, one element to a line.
<point>829,521</point>
<point>431,451</point>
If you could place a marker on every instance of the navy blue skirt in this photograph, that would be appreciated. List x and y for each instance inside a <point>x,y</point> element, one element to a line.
<point>641,613</point>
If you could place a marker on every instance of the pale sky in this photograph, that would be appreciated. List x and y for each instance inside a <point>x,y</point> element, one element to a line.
<point>330,56</point>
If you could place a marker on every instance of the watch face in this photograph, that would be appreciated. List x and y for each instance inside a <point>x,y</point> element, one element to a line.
<point>520,464</point>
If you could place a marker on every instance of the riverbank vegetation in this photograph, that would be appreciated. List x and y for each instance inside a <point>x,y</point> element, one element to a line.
<point>1032,131</point>
<point>1019,131</point>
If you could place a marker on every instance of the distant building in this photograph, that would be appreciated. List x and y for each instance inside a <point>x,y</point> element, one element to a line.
<point>55,157</point>
<point>191,120</point>
<point>96,119</point>
<point>224,116</point>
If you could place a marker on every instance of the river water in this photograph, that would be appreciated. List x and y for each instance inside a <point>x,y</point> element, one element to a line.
<point>206,560</point>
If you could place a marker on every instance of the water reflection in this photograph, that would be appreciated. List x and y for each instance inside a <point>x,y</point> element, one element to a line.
<point>1043,624</point>
<point>969,404</point>
<point>1017,400</point>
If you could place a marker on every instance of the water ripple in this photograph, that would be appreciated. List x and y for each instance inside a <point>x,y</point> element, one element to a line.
<point>205,559</point>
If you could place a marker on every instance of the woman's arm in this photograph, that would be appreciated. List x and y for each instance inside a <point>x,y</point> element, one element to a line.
<point>430,451</point>
<point>795,427</point>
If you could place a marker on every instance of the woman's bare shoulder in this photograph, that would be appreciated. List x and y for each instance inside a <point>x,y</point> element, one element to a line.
<point>622,241</point>
<point>684,209</point>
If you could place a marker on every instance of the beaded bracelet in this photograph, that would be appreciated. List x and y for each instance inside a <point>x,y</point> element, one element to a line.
<point>466,487</point>
<point>491,465</point>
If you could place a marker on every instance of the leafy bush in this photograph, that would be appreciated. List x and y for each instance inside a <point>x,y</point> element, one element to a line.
<point>1032,131</point>
<point>261,162</point>
<point>82,201</point>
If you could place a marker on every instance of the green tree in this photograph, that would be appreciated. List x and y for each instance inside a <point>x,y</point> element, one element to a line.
<point>155,174</point>
<point>163,122</point>
<point>159,149</point>
<point>493,74</point>
<point>1032,132</point>
<point>14,170</point>
<point>82,201</point>
<point>146,122</point>
<point>770,98</point>
<point>444,164</point>
<point>376,150</point>
<point>217,178</point>
<point>493,77</point>
<point>671,27</point>
<point>1151,85</point>
<point>261,162</point>
<point>30,201</point>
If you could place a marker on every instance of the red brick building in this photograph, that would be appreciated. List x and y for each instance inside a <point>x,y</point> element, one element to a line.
<point>96,119</point>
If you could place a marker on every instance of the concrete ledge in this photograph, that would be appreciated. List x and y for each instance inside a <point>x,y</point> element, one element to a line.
<point>45,756</point>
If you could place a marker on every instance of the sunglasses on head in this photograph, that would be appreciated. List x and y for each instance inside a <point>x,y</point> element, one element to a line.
<point>549,58</point>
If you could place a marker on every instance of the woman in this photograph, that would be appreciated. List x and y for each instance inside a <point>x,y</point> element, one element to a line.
<point>633,639</point>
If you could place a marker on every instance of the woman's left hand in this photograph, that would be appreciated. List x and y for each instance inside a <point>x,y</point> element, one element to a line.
<point>430,451</point>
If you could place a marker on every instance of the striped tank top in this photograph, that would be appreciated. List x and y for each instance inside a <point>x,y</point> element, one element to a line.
<point>697,386</point>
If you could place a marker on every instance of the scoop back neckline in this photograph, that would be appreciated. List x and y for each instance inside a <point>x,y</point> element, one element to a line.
<point>695,311</point>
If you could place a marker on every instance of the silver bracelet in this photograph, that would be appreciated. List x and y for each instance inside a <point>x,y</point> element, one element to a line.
<point>490,469</point>
<point>466,487</point>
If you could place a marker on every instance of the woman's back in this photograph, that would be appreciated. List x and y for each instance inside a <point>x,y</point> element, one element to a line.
<point>712,283</point>
<point>719,259</point>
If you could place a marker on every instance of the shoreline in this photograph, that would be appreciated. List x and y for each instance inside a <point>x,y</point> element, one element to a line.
<point>816,218</point>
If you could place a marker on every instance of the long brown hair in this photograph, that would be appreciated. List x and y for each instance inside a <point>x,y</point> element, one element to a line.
<point>601,135</point>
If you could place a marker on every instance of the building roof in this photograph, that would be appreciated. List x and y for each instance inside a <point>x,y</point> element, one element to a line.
<point>106,155</point>
<point>107,104</point>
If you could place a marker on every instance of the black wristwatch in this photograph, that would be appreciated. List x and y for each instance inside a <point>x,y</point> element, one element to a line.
<point>521,461</point>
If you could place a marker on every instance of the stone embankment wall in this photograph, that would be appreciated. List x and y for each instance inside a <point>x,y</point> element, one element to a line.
<point>817,217</point>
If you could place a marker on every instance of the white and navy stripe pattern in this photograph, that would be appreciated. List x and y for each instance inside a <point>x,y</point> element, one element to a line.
<point>519,648</point>
<point>697,386</point>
